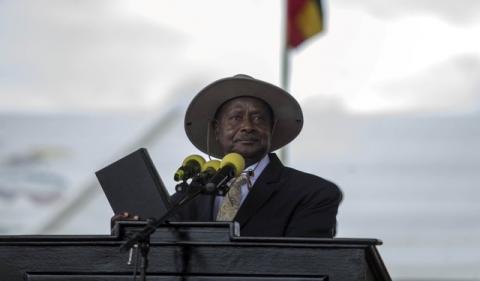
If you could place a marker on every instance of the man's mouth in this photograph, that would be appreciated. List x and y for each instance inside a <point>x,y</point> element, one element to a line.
<point>246,140</point>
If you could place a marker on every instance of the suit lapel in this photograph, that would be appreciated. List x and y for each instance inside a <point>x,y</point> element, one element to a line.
<point>262,190</point>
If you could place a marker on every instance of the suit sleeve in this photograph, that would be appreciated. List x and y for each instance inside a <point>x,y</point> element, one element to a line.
<point>315,215</point>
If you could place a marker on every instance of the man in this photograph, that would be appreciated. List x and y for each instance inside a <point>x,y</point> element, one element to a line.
<point>253,118</point>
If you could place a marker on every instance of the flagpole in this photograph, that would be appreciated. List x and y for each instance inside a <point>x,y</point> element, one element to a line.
<point>285,66</point>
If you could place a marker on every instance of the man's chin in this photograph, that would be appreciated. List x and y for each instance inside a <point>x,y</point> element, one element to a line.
<point>250,153</point>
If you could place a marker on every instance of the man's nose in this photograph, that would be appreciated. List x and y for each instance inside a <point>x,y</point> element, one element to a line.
<point>247,124</point>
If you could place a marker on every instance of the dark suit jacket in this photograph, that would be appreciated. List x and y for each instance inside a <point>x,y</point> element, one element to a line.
<point>282,202</point>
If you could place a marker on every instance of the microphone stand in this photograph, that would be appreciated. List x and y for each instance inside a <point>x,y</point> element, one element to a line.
<point>142,238</point>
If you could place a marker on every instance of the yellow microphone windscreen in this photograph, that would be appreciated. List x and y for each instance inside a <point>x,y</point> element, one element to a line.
<point>199,159</point>
<point>236,160</point>
<point>212,164</point>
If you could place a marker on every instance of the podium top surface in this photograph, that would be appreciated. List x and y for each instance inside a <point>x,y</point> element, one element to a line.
<point>189,232</point>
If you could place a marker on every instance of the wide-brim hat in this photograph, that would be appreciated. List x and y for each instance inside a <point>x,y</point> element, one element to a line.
<point>288,117</point>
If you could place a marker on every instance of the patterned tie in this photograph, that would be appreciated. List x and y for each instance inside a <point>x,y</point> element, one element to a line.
<point>231,202</point>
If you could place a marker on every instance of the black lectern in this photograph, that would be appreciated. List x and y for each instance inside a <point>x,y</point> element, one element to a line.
<point>193,252</point>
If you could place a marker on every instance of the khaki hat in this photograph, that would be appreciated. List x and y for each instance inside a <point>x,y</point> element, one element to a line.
<point>288,117</point>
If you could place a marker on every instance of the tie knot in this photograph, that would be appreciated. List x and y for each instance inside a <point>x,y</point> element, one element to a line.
<point>247,178</point>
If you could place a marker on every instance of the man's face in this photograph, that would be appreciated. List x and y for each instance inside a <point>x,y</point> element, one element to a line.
<point>244,125</point>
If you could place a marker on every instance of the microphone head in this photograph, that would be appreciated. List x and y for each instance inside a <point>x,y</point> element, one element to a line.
<point>212,164</point>
<point>190,166</point>
<point>235,160</point>
<point>194,158</point>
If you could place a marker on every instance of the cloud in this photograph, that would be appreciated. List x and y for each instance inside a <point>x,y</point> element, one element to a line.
<point>80,54</point>
<point>457,12</point>
<point>452,85</point>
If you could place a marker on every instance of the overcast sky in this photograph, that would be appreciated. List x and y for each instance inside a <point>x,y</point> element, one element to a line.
<point>377,56</point>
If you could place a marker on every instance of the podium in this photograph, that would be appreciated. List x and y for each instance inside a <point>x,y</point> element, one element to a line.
<point>190,251</point>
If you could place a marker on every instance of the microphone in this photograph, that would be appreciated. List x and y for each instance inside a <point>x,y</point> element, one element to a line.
<point>231,166</point>
<point>209,169</point>
<point>191,166</point>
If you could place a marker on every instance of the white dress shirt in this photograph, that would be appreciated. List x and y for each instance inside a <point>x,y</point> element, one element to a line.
<point>257,169</point>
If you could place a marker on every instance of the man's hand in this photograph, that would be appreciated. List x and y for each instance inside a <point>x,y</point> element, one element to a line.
<point>125,216</point>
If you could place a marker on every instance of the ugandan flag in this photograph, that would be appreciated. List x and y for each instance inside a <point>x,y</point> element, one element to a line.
<point>305,19</point>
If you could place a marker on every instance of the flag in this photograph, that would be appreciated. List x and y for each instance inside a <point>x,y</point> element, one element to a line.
<point>305,19</point>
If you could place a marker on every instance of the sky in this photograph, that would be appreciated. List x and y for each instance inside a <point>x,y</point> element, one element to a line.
<point>404,56</point>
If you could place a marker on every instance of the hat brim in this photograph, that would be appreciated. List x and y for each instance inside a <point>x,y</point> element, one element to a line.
<point>201,112</point>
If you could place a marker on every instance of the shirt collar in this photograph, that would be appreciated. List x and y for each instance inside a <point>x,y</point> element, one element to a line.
<point>258,168</point>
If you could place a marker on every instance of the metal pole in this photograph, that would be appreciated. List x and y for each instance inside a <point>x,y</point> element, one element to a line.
<point>285,66</point>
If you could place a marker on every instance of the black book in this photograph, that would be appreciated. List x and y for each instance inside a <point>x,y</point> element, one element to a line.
<point>132,185</point>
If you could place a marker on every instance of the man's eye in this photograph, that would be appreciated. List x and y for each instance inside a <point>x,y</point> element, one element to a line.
<point>258,118</point>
